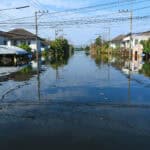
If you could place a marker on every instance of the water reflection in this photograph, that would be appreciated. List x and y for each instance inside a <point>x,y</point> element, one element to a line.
<point>134,66</point>
<point>16,73</point>
<point>103,76</point>
<point>130,68</point>
<point>38,79</point>
<point>145,69</point>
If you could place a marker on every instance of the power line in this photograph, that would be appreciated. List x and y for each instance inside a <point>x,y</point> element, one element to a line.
<point>71,10</point>
<point>82,22</point>
<point>80,19</point>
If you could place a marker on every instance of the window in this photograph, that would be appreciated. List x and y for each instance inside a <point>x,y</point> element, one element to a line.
<point>29,42</point>
<point>5,42</point>
<point>136,56</point>
<point>23,42</point>
<point>15,42</point>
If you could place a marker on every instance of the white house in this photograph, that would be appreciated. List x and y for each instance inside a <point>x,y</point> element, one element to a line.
<point>124,41</point>
<point>11,50</point>
<point>117,42</point>
<point>136,39</point>
<point>17,37</point>
<point>3,38</point>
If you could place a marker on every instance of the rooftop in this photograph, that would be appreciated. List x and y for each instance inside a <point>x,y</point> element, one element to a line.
<point>118,38</point>
<point>20,34</point>
<point>11,50</point>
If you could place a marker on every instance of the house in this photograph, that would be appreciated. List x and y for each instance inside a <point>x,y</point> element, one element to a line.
<point>117,42</point>
<point>3,38</point>
<point>136,39</point>
<point>11,50</point>
<point>17,37</point>
<point>12,55</point>
<point>124,41</point>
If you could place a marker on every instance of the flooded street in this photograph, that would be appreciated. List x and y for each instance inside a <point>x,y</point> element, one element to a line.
<point>74,75</point>
<point>82,79</point>
<point>84,103</point>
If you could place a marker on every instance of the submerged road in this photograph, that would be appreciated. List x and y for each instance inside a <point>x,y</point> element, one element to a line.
<point>73,126</point>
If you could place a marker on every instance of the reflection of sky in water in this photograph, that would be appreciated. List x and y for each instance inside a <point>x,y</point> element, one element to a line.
<point>81,80</point>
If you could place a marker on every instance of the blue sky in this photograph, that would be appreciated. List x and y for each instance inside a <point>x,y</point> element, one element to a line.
<point>78,35</point>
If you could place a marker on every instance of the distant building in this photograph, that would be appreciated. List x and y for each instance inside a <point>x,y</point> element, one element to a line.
<point>124,41</point>
<point>117,42</point>
<point>136,39</point>
<point>17,37</point>
<point>3,38</point>
<point>12,55</point>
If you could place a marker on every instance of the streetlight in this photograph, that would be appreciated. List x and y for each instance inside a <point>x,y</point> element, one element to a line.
<point>21,7</point>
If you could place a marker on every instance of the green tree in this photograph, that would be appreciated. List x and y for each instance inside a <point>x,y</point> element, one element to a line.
<point>60,46</point>
<point>145,69</point>
<point>60,52</point>
<point>146,46</point>
<point>25,47</point>
<point>87,48</point>
<point>98,41</point>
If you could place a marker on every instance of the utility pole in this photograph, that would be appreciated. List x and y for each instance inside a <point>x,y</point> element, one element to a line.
<point>57,33</point>
<point>130,53</point>
<point>36,33</point>
<point>131,30</point>
<point>108,31</point>
<point>36,30</point>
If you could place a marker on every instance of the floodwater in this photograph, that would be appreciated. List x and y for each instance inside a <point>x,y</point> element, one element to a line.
<point>85,102</point>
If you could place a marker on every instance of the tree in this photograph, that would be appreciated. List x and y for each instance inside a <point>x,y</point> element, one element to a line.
<point>60,46</point>
<point>146,46</point>
<point>98,41</point>
<point>25,47</point>
<point>60,52</point>
<point>145,69</point>
<point>87,48</point>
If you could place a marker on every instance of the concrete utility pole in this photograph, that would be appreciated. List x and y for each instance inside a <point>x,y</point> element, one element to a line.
<point>131,30</point>
<point>57,31</point>
<point>36,30</point>
<point>36,33</point>
<point>108,31</point>
<point>56,34</point>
